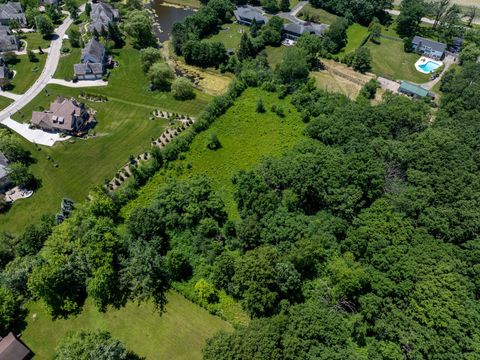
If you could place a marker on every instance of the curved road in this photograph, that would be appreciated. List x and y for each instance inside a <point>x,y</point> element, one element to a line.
<point>47,73</point>
<point>53,57</point>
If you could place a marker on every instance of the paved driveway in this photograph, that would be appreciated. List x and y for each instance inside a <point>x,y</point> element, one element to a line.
<point>38,136</point>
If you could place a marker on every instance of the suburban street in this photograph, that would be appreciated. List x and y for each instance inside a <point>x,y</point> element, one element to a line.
<point>53,57</point>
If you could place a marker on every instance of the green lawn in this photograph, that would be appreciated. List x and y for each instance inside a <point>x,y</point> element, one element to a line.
<point>4,102</point>
<point>246,137</point>
<point>230,35</point>
<point>180,333</point>
<point>27,72</point>
<point>65,65</point>
<point>35,40</point>
<point>356,33</point>
<point>123,129</point>
<point>275,54</point>
<point>317,15</point>
<point>390,60</point>
<point>185,3</point>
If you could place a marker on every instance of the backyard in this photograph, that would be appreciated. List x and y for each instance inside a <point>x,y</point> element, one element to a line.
<point>230,35</point>
<point>317,15</point>
<point>123,129</point>
<point>391,61</point>
<point>179,333</point>
<point>27,72</point>
<point>356,33</point>
<point>246,137</point>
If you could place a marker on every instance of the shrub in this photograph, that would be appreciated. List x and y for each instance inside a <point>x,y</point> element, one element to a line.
<point>213,142</point>
<point>182,89</point>
<point>260,106</point>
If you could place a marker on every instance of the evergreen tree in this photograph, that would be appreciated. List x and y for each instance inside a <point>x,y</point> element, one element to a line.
<point>254,28</point>
<point>285,5</point>
<point>246,49</point>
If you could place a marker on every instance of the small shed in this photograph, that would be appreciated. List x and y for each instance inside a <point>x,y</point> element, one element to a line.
<point>12,348</point>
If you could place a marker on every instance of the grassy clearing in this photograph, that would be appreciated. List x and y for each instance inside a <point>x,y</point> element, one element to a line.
<point>4,102</point>
<point>195,4</point>
<point>34,40</point>
<point>275,55</point>
<point>123,129</point>
<point>180,333</point>
<point>389,60</point>
<point>356,33</point>
<point>26,72</point>
<point>317,15</point>
<point>332,83</point>
<point>246,137</point>
<point>65,65</point>
<point>230,35</point>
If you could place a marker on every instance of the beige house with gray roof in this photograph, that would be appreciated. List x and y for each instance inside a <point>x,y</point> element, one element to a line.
<point>64,116</point>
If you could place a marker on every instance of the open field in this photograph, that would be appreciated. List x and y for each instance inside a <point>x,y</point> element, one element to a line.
<point>355,35</point>
<point>123,129</point>
<point>332,83</point>
<point>26,72</point>
<point>180,333</point>
<point>389,60</point>
<point>317,15</point>
<point>4,102</point>
<point>230,35</point>
<point>34,40</point>
<point>246,137</point>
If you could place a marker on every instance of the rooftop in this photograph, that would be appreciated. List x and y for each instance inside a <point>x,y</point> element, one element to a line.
<point>60,116</point>
<point>249,13</point>
<point>435,45</point>
<point>11,348</point>
<point>309,28</point>
<point>414,89</point>
<point>94,52</point>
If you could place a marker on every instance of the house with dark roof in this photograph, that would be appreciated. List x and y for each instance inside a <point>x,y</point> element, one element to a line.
<point>413,90</point>
<point>293,31</point>
<point>4,180</point>
<point>12,11</point>
<point>101,15</point>
<point>432,49</point>
<point>5,72</point>
<point>8,41</point>
<point>245,15</point>
<point>12,348</point>
<point>64,115</point>
<point>92,61</point>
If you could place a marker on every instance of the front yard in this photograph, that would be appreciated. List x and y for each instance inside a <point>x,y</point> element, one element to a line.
<point>27,72</point>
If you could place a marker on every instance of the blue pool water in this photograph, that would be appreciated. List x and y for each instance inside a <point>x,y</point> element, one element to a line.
<point>429,66</point>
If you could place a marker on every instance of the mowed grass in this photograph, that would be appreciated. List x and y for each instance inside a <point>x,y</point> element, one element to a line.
<point>246,137</point>
<point>317,15</point>
<point>123,129</point>
<point>275,55</point>
<point>390,60</point>
<point>230,35</point>
<point>65,65</point>
<point>331,83</point>
<point>356,33</point>
<point>195,4</point>
<point>34,40</point>
<point>180,333</point>
<point>27,72</point>
<point>4,102</point>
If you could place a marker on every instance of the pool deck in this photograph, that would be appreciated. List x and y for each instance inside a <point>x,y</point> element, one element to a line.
<point>425,60</point>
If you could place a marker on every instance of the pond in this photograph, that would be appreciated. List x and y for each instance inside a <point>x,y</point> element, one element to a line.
<point>165,16</point>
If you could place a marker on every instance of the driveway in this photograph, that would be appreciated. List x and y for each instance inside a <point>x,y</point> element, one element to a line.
<point>79,84</point>
<point>51,63</point>
<point>292,15</point>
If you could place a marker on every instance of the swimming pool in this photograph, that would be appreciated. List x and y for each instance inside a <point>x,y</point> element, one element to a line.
<point>426,65</point>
